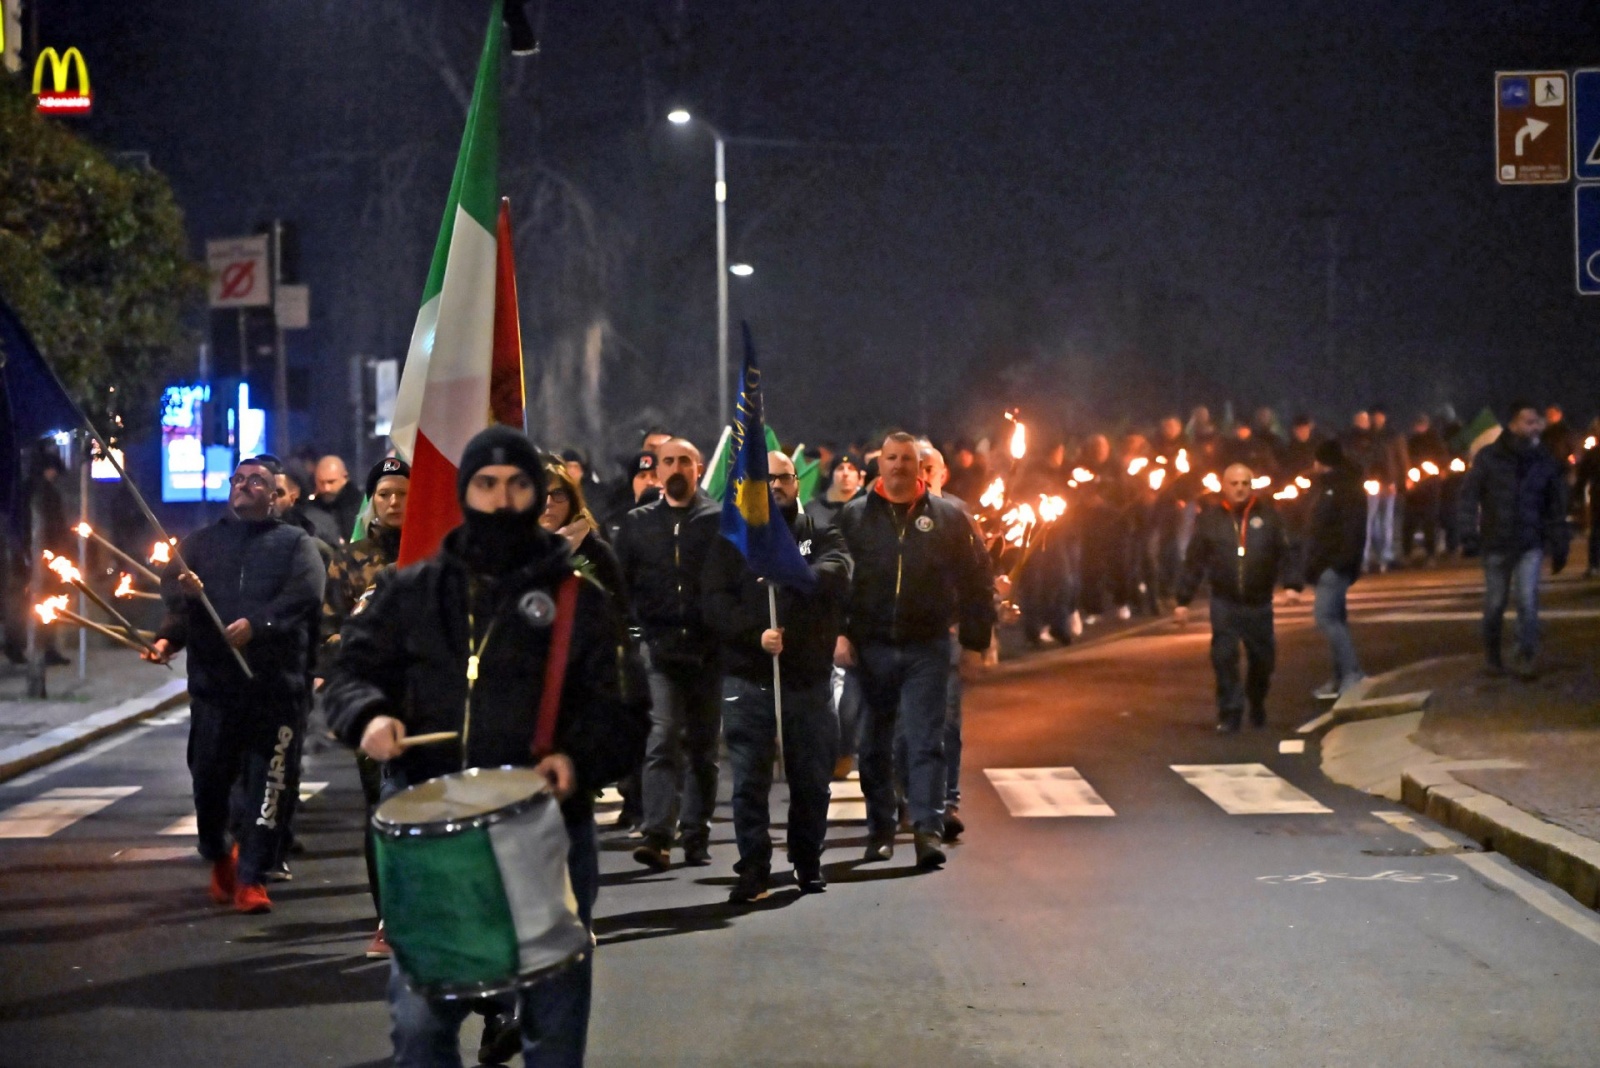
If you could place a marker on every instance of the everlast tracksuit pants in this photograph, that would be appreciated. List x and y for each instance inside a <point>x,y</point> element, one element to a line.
<point>259,750</point>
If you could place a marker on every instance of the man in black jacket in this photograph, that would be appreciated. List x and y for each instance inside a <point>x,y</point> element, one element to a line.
<point>663,548</point>
<point>472,628</point>
<point>1240,547</point>
<point>916,573</point>
<point>333,509</point>
<point>1513,509</point>
<point>735,604</point>
<point>1336,538</point>
<point>265,579</point>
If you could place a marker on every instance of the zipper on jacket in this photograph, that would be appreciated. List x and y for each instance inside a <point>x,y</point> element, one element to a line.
<point>899,568</point>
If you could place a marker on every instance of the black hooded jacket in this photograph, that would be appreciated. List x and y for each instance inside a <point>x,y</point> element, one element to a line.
<point>1214,554</point>
<point>1336,536</point>
<point>734,602</point>
<point>406,655</point>
<point>264,571</point>
<point>1514,499</point>
<point>663,553</point>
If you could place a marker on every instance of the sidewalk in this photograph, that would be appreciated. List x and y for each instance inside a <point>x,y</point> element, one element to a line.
<point>120,689</point>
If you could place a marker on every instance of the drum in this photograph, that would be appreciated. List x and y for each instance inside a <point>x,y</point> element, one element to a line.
<point>472,868</point>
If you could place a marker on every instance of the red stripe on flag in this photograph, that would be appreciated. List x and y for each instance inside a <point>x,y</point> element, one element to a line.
<point>505,373</point>
<point>432,510</point>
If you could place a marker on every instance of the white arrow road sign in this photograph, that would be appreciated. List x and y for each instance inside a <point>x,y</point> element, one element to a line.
<point>1530,132</point>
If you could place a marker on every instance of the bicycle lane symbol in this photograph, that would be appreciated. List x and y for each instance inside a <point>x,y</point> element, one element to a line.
<point>1317,878</point>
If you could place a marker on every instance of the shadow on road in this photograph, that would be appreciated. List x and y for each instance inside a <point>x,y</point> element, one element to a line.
<point>691,919</point>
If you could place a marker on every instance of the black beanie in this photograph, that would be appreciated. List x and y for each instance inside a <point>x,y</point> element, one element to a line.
<point>1330,453</point>
<point>501,445</point>
<point>389,465</point>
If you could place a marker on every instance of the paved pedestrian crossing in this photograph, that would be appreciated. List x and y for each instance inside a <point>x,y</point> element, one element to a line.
<point>55,810</point>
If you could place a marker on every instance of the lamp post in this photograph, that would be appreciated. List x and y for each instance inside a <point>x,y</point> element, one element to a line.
<point>681,117</point>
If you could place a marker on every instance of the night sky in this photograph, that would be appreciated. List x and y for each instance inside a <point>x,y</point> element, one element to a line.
<point>1096,211</point>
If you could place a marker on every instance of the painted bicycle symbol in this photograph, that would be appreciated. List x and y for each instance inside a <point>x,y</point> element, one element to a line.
<point>1317,878</point>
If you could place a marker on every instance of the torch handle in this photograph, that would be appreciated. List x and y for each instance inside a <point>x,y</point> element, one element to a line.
<point>131,562</point>
<point>73,617</point>
<point>122,621</point>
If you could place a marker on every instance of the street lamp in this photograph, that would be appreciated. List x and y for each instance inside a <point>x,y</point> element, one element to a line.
<point>741,270</point>
<point>681,117</point>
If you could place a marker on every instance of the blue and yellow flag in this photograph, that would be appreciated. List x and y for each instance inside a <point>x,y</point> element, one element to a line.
<point>750,519</point>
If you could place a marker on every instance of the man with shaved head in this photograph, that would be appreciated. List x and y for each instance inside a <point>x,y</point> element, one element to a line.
<point>1240,548</point>
<point>336,504</point>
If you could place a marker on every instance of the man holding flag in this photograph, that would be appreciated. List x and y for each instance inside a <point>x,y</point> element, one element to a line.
<point>774,590</point>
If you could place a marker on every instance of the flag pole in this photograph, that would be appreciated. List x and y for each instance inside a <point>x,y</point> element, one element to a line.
<point>716,458</point>
<point>777,682</point>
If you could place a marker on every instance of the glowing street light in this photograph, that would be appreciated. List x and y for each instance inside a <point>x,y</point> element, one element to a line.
<point>741,270</point>
<point>679,117</point>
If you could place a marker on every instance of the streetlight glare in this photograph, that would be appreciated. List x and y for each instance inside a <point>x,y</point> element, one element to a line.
<point>678,117</point>
<point>743,270</point>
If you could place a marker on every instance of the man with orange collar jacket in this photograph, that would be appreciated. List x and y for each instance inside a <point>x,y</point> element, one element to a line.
<point>917,572</point>
<point>1240,548</point>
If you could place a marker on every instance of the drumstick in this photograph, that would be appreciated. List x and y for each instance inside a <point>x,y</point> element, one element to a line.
<point>428,739</point>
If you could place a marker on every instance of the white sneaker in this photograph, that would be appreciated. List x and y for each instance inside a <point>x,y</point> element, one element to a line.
<point>1124,612</point>
<point>1090,621</point>
<point>1327,691</point>
<point>1075,624</point>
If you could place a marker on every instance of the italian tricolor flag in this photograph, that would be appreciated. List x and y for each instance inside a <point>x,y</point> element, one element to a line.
<point>464,367</point>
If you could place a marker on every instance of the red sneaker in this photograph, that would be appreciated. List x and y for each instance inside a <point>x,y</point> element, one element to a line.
<point>224,877</point>
<point>252,898</point>
<point>378,948</point>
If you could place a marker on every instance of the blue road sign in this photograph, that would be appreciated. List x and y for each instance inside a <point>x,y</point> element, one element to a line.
<point>1586,124</point>
<point>1586,226</point>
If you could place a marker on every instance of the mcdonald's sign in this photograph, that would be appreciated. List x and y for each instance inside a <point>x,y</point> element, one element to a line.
<point>57,100</point>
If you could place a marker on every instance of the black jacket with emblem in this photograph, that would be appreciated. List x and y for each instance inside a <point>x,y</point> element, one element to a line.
<point>1336,536</point>
<point>663,551</point>
<point>734,602</point>
<point>916,573</point>
<point>1214,554</point>
<point>406,655</point>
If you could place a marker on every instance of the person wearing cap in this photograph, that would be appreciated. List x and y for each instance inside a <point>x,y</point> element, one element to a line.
<point>474,624</point>
<point>265,580</point>
<point>353,571</point>
<point>845,484</point>
<point>643,487</point>
<point>1335,541</point>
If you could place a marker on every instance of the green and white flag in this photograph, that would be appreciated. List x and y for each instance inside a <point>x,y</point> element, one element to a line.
<point>1483,430</point>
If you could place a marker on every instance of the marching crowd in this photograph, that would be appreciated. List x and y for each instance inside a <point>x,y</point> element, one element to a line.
<point>670,639</point>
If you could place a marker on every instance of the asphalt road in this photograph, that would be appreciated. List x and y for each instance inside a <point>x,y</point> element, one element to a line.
<point>1162,931</point>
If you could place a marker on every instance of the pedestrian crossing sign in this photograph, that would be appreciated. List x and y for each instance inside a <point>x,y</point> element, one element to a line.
<point>1586,125</point>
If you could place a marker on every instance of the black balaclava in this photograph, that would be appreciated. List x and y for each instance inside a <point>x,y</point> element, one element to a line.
<point>500,542</point>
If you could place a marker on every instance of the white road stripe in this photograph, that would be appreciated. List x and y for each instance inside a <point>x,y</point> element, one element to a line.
<point>308,790</point>
<point>1040,793</point>
<point>186,825</point>
<point>1474,616</point>
<point>1249,790</point>
<point>847,804</point>
<point>56,809</point>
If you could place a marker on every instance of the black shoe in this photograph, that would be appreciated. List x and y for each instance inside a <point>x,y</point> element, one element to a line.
<point>654,857</point>
<point>696,854</point>
<point>1258,717</point>
<point>809,878</point>
<point>502,1036</point>
<point>753,885</point>
<point>929,855</point>
<point>953,825</point>
<point>55,659</point>
<point>1228,726</point>
<point>879,849</point>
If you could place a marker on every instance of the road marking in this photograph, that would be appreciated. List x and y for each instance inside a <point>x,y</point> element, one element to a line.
<point>1292,745</point>
<point>1317,878</point>
<point>148,854</point>
<point>1040,793</point>
<point>308,790</point>
<point>166,719</point>
<point>610,800</point>
<point>1472,617</point>
<point>56,809</point>
<point>186,825</point>
<point>847,804</point>
<point>1498,870</point>
<point>1249,790</point>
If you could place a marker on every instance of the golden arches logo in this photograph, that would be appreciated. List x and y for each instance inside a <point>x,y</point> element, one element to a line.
<point>57,100</point>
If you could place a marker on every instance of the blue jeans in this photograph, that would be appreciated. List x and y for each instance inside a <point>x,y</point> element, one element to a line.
<point>810,739</point>
<point>1380,528</point>
<point>1250,625</point>
<point>681,754</point>
<point>555,1013</point>
<point>1503,573</point>
<point>1334,623</point>
<point>905,686</point>
<point>952,736</point>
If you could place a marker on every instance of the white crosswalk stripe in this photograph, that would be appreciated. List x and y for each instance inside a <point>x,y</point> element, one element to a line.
<point>1031,793</point>
<point>1249,790</point>
<point>848,805</point>
<point>187,825</point>
<point>57,809</point>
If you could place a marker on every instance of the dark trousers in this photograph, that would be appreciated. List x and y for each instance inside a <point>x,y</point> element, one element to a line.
<point>906,687</point>
<point>810,739</point>
<point>257,749</point>
<point>1047,588</point>
<point>1594,529</point>
<point>1249,625</point>
<point>371,773</point>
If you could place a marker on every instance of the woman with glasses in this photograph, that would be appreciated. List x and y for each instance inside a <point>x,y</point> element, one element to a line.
<point>566,513</point>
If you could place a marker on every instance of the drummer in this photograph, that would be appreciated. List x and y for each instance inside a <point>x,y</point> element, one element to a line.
<point>474,624</point>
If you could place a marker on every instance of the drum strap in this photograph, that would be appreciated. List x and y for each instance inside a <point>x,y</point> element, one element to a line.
<point>555,668</point>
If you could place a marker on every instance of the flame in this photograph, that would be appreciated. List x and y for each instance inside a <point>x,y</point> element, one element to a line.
<point>1157,477</point>
<point>1018,522</point>
<point>1303,482</point>
<point>1051,508</point>
<point>83,530</point>
<point>1589,442</point>
<point>1212,482</point>
<point>1372,487</point>
<point>1429,467</point>
<point>1082,474</point>
<point>160,553</point>
<point>1261,482</point>
<point>1162,460</point>
<point>62,567</point>
<point>1183,461</point>
<point>1019,440</point>
<point>50,607</point>
<point>1458,465</point>
<point>124,586</point>
<point>1288,493</point>
<point>1139,464</point>
<point>995,495</point>
<point>1415,474</point>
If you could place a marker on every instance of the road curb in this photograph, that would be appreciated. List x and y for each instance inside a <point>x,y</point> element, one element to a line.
<point>1563,857</point>
<point>55,744</point>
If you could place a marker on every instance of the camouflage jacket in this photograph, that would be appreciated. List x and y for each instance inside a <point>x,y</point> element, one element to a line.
<point>353,571</point>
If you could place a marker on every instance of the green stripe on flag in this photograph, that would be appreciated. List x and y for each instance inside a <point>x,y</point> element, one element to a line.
<point>717,482</point>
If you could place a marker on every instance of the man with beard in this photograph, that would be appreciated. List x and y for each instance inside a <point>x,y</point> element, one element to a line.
<point>1513,509</point>
<point>267,579</point>
<point>662,548</point>
<point>735,604</point>
<point>337,502</point>
<point>472,627</point>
